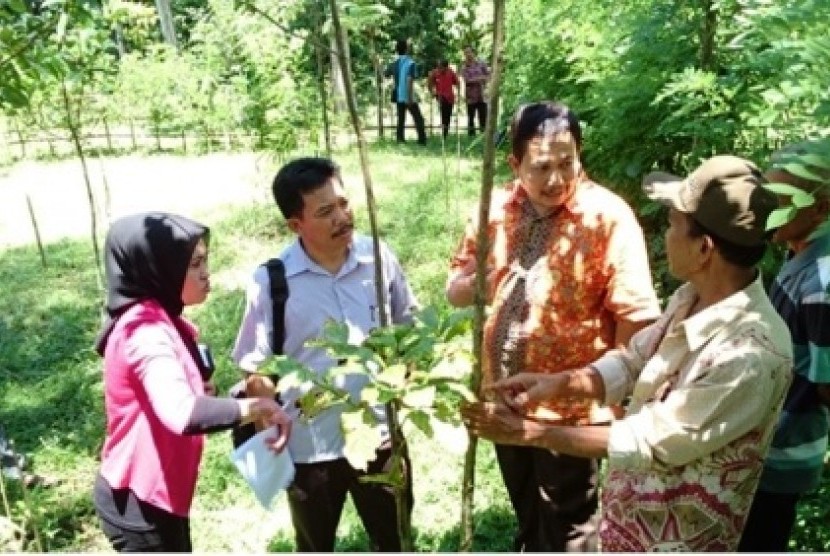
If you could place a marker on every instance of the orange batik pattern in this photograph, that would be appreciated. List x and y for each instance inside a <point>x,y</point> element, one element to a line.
<point>562,281</point>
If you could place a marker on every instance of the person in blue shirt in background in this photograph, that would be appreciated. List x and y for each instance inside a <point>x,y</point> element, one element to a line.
<point>403,72</point>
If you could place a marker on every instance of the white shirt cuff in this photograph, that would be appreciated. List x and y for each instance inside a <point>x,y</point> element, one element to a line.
<point>614,377</point>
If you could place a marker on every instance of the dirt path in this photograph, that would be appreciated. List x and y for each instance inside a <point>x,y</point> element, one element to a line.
<point>187,185</point>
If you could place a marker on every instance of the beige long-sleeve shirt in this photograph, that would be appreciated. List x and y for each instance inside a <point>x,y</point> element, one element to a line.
<point>705,394</point>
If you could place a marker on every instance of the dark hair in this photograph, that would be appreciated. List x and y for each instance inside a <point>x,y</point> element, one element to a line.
<point>299,177</point>
<point>444,63</point>
<point>401,47</point>
<point>528,121</point>
<point>738,255</point>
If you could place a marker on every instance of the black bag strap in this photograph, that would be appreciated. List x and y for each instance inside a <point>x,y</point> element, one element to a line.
<point>279,296</point>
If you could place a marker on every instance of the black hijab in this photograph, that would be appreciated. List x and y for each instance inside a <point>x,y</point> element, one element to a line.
<point>146,256</point>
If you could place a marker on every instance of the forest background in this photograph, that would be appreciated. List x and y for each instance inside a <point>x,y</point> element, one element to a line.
<point>656,83</point>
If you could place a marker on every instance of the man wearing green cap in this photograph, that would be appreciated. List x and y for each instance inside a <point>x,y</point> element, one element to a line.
<point>706,381</point>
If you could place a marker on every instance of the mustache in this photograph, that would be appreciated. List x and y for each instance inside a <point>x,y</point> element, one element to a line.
<point>344,229</point>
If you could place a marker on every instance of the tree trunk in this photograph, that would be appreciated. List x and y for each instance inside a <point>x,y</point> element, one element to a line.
<point>338,86</point>
<point>75,133</point>
<point>482,249</point>
<point>708,31</point>
<point>168,30</point>
<point>321,73</point>
<point>378,82</point>
<point>399,448</point>
<point>119,41</point>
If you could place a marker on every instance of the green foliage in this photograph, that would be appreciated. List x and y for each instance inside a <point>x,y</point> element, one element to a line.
<point>811,532</point>
<point>27,52</point>
<point>135,24</point>
<point>649,100</point>
<point>808,162</point>
<point>421,368</point>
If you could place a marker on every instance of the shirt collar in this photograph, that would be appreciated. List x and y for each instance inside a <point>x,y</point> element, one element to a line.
<point>297,261</point>
<point>701,327</point>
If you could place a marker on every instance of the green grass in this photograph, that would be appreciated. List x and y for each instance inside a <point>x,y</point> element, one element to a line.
<point>51,400</point>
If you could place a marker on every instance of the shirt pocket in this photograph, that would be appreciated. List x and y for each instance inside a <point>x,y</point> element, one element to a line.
<point>370,294</point>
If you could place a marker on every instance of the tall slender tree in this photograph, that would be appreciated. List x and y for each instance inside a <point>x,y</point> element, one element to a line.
<point>318,11</point>
<point>482,240</point>
<point>398,441</point>
<point>168,29</point>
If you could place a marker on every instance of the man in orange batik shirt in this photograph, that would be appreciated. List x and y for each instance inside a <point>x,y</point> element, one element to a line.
<point>568,279</point>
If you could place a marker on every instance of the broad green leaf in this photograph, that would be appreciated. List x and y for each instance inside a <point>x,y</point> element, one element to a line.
<point>817,160</point>
<point>350,367</point>
<point>386,394</point>
<point>457,367</point>
<point>421,420</point>
<point>429,316</point>
<point>19,6</point>
<point>421,348</point>
<point>401,331</point>
<point>317,400</point>
<point>445,411</point>
<point>798,197</point>
<point>336,331</point>
<point>783,189</point>
<point>370,395</point>
<point>458,322</point>
<point>406,343</point>
<point>453,436</point>
<point>13,96</point>
<point>801,171</point>
<point>291,380</point>
<point>420,397</point>
<point>362,437</point>
<point>393,375</point>
<point>382,341</point>
<point>284,365</point>
<point>461,389</point>
<point>781,216</point>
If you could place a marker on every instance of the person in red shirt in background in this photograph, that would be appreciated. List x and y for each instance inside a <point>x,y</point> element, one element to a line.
<point>442,82</point>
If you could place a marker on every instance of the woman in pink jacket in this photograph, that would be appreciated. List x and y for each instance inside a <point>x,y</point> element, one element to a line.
<point>159,399</point>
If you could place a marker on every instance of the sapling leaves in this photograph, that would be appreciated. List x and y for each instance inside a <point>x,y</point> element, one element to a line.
<point>801,171</point>
<point>419,397</point>
<point>420,367</point>
<point>393,375</point>
<point>810,162</point>
<point>798,199</point>
<point>420,419</point>
<point>362,436</point>
<point>318,399</point>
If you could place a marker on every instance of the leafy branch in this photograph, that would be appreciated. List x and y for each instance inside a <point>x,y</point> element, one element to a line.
<point>422,368</point>
<point>809,162</point>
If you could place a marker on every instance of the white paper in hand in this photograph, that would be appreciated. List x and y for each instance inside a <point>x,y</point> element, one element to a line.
<point>267,473</point>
